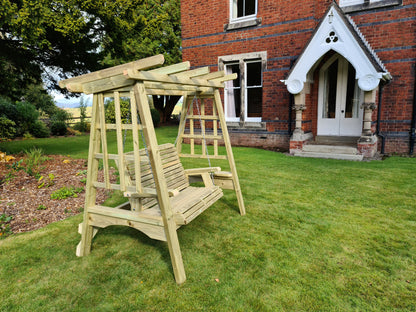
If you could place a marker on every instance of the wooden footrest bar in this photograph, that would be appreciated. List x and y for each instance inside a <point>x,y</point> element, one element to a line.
<point>152,226</point>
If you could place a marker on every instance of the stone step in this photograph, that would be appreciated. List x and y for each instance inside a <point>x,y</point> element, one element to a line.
<point>329,155</point>
<point>330,149</point>
<point>335,140</point>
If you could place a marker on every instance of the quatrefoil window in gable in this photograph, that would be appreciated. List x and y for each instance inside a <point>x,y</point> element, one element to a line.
<point>332,37</point>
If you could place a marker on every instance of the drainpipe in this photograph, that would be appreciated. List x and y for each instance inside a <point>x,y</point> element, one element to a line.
<point>289,130</point>
<point>291,100</point>
<point>413,124</point>
<point>380,97</point>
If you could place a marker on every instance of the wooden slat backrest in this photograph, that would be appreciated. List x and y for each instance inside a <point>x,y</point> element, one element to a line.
<point>172,169</point>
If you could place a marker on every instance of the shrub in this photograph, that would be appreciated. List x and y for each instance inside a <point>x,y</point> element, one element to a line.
<point>33,160</point>
<point>65,192</point>
<point>38,97</point>
<point>60,115</point>
<point>40,130</point>
<point>71,131</point>
<point>27,136</point>
<point>8,109</point>
<point>5,225</point>
<point>82,127</point>
<point>27,116</point>
<point>58,127</point>
<point>7,128</point>
<point>110,114</point>
<point>155,117</point>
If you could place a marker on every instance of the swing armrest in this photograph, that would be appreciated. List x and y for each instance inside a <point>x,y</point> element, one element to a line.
<point>200,171</point>
<point>201,174</point>
<point>150,194</point>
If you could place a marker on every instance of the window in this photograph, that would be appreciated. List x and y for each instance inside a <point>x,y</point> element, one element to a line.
<point>254,90</point>
<point>243,96</point>
<point>357,5</point>
<point>243,9</point>
<point>233,93</point>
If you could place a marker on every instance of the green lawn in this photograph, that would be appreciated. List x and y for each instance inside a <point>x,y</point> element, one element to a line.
<point>319,235</point>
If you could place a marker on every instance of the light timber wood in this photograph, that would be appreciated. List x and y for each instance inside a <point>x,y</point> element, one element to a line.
<point>224,78</point>
<point>191,131</point>
<point>169,87</point>
<point>202,156</point>
<point>236,183</point>
<point>104,141</point>
<point>148,76</point>
<point>123,127</point>
<point>116,70</point>
<point>182,123</point>
<point>177,181</point>
<point>172,69</point>
<point>202,136</point>
<point>213,75</point>
<point>202,126</point>
<point>104,84</point>
<point>160,183</point>
<point>136,143</point>
<point>160,197</point>
<point>84,247</point>
<point>120,147</point>
<point>202,117</point>
<point>215,129</point>
<point>194,73</point>
<point>165,92</point>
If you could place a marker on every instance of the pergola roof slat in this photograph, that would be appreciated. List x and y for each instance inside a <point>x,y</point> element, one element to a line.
<point>147,76</point>
<point>174,79</point>
<point>171,69</point>
<point>198,72</point>
<point>142,64</point>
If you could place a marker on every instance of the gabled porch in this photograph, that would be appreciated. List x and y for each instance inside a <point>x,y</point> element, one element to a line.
<point>334,83</point>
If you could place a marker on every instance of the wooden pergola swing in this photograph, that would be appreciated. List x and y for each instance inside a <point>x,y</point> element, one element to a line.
<point>161,198</point>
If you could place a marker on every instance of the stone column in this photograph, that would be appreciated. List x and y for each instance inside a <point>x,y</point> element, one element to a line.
<point>299,108</point>
<point>299,137</point>
<point>367,144</point>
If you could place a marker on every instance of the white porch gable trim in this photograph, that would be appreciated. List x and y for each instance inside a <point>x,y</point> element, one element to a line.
<point>338,32</point>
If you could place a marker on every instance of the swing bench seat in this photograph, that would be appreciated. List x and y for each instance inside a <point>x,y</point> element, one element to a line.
<point>187,201</point>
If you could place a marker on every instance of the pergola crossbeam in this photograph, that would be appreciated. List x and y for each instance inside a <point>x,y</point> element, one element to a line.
<point>160,196</point>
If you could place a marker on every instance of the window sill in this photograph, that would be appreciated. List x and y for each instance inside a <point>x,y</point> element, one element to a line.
<point>369,6</point>
<point>248,125</point>
<point>242,24</point>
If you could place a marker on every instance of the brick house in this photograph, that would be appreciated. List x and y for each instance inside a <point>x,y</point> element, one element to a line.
<point>339,72</point>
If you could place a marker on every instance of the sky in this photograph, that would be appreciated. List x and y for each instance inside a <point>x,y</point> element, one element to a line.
<point>72,102</point>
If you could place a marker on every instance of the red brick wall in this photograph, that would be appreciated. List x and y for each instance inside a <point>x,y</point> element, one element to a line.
<point>285,29</point>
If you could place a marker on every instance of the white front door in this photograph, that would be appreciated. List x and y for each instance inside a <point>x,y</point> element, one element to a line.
<point>339,109</point>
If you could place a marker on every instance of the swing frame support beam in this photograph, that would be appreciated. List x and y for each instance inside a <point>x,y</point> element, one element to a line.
<point>137,81</point>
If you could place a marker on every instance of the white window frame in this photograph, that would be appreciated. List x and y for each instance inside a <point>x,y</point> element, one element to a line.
<point>359,5</point>
<point>227,118</point>
<point>233,9</point>
<point>344,3</point>
<point>246,87</point>
<point>241,60</point>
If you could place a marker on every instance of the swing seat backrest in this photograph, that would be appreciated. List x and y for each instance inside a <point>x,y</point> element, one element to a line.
<point>187,201</point>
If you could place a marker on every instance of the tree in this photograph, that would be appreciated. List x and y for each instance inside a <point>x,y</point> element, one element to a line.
<point>140,29</point>
<point>44,40</point>
<point>49,41</point>
<point>165,106</point>
<point>37,96</point>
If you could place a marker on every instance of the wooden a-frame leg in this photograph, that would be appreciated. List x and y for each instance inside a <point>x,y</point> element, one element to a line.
<point>84,247</point>
<point>160,183</point>
<point>227,143</point>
